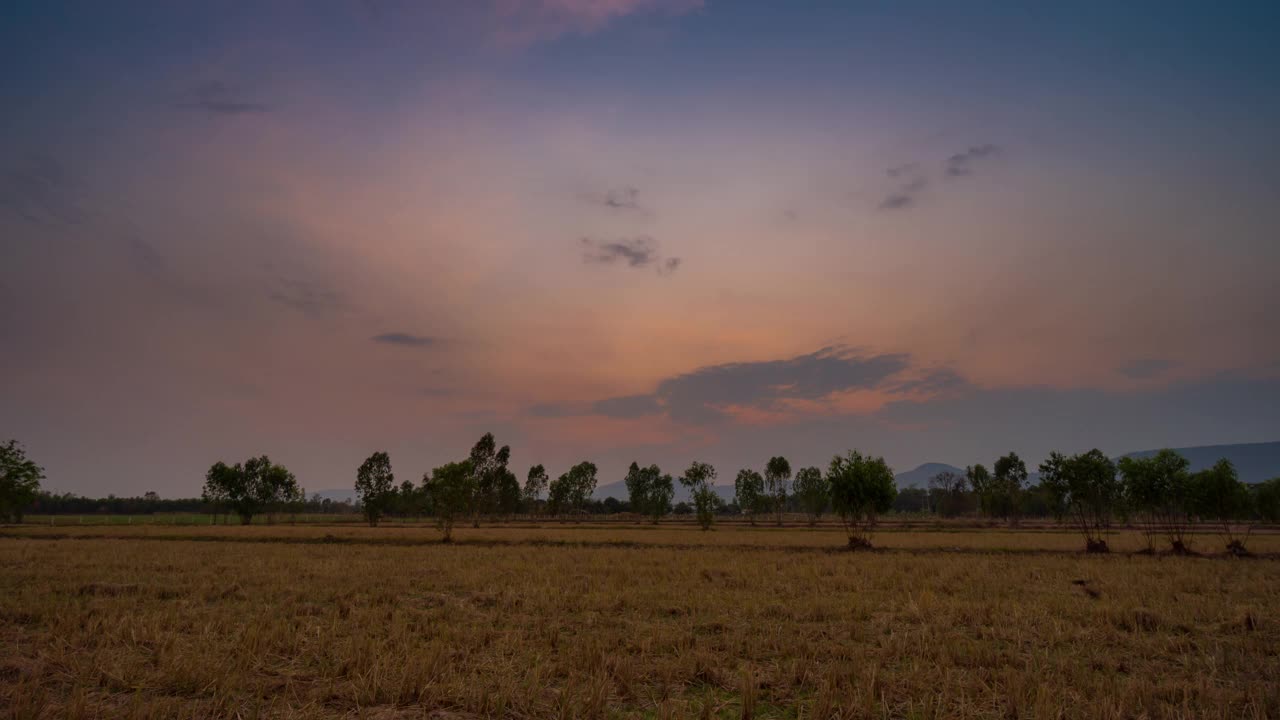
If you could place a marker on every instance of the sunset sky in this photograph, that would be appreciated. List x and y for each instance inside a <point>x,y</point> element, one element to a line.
<point>659,230</point>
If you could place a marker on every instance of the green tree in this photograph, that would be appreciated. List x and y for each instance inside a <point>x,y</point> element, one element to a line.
<point>1218,496</point>
<point>812,492</point>
<point>451,490</point>
<point>947,493</point>
<point>862,487</point>
<point>509,493</point>
<point>375,486</point>
<point>19,481</point>
<point>662,489</point>
<point>1084,488</point>
<point>699,478</point>
<point>534,485</point>
<point>749,493</point>
<point>639,486</point>
<point>1266,499</point>
<point>257,486</point>
<point>1157,490</point>
<point>1008,482</point>
<point>488,465</point>
<point>980,480</point>
<point>776,474</point>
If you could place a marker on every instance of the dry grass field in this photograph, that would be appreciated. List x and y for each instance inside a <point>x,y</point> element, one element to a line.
<point>594,621</point>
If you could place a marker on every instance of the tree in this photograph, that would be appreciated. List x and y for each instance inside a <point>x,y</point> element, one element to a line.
<point>639,485</point>
<point>1084,489</point>
<point>1008,480</point>
<point>862,487</point>
<point>946,493</point>
<point>776,474</point>
<point>534,485</point>
<point>375,486</point>
<point>19,481</point>
<point>509,493</point>
<point>1266,498</point>
<point>749,493</point>
<point>1157,490</point>
<point>812,491</point>
<point>488,465</point>
<point>256,486</point>
<point>573,489</point>
<point>450,488</point>
<point>980,480</point>
<point>661,490</point>
<point>1219,496</point>
<point>699,479</point>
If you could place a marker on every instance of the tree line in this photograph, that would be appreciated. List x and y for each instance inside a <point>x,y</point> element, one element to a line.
<point>1159,494</point>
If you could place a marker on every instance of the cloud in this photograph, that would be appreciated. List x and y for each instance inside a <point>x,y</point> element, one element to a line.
<point>217,98</point>
<point>627,406</point>
<point>637,252</point>
<point>705,395</point>
<point>309,297</point>
<point>961,164</point>
<point>406,340</point>
<point>622,199</point>
<point>904,195</point>
<point>519,23</point>
<point>40,189</point>
<point>1146,369</point>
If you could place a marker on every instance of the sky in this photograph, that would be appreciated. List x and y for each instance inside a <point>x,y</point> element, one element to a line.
<point>616,230</point>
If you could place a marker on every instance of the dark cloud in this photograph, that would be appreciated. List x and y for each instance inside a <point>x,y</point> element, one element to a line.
<point>637,252</point>
<point>554,410</point>
<point>932,382</point>
<point>406,340</point>
<point>41,190</point>
<point>905,195</point>
<point>309,297</point>
<point>1146,369</point>
<point>622,199</point>
<point>703,395</point>
<point>961,164</point>
<point>217,98</point>
<point>628,406</point>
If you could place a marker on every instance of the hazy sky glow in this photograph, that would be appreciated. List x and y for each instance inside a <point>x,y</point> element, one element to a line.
<point>632,229</point>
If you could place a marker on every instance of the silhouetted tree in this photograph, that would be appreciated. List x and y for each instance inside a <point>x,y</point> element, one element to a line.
<point>947,493</point>
<point>452,492</point>
<point>776,474</point>
<point>509,493</point>
<point>375,486</point>
<point>488,463</point>
<point>1008,480</point>
<point>1084,489</point>
<point>662,489</point>
<point>573,489</point>
<point>862,487</point>
<point>1157,489</point>
<point>749,493</point>
<point>980,480</point>
<point>699,479</point>
<point>258,485</point>
<point>19,481</point>
<point>812,492</point>
<point>1266,500</point>
<point>534,485</point>
<point>1218,496</point>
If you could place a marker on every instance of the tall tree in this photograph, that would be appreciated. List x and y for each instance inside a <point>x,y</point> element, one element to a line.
<point>1008,481</point>
<point>1157,489</point>
<point>509,493</point>
<point>1218,496</point>
<point>375,486</point>
<point>1266,498</point>
<point>19,481</point>
<point>812,492</point>
<point>639,487</point>
<point>1085,490</point>
<point>488,463</point>
<point>661,490</point>
<point>749,493</point>
<point>534,485</point>
<point>980,480</point>
<point>946,493</point>
<point>450,488</point>
<point>699,478</point>
<point>862,487</point>
<point>776,474</point>
<point>580,484</point>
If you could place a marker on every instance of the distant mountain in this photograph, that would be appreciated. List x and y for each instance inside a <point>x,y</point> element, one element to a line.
<point>1254,461</point>
<point>919,478</point>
